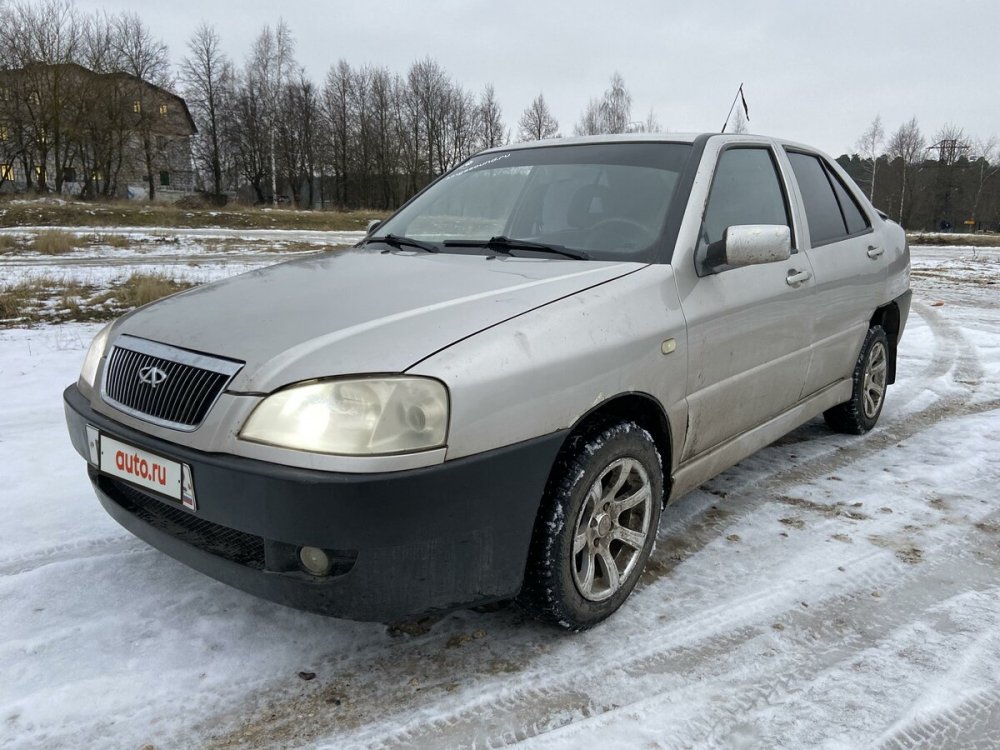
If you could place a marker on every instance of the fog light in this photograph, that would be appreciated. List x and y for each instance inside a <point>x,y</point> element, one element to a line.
<point>314,560</point>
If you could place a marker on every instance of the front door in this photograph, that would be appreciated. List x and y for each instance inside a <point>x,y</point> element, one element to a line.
<point>749,328</point>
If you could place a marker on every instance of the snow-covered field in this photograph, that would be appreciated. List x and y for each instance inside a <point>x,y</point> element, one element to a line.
<point>189,255</point>
<point>830,591</point>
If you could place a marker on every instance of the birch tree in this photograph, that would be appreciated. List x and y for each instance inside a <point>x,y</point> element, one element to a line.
<point>869,145</point>
<point>537,122</point>
<point>906,144</point>
<point>208,77</point>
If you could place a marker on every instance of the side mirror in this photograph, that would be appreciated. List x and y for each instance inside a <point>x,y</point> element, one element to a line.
<point>750,245</point>
<point>372,226</point>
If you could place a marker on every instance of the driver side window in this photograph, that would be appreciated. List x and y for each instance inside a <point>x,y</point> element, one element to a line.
<point>745,190</point>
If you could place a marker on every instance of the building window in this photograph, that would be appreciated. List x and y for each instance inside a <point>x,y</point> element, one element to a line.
<point>4,94</point>
<point>164,179</point>
<point>6,172</point>
<point>137,106</point>
<point>40,173</point>
<point>96,177</point>
<point>163,110</point>
<point>4,133</point>
<point>69,174</point>
<point>33,97</point>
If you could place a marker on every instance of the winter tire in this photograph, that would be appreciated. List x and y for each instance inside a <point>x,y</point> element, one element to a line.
<point>596,527</point>
<point>861,412</point>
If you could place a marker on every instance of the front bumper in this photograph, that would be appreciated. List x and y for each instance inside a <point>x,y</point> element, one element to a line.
<point>403,543</point>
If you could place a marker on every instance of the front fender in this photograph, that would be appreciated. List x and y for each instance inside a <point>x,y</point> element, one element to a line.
<point>542,371</point>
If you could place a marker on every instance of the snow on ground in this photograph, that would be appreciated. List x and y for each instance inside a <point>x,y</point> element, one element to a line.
<point>190,255</point>
<point>183,235</point>
<point>830,591</point>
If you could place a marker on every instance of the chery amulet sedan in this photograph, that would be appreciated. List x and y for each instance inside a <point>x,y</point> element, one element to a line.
<point>495,393</point>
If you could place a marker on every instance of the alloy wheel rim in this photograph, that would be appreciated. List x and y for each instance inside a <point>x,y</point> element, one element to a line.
<point>611,529</point>
<point>873,388</point>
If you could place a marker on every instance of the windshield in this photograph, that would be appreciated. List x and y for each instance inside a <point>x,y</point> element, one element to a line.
<point>605,200</point>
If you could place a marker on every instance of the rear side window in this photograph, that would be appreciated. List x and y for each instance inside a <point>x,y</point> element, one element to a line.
<point>745,190</point>
<point>832,211</point>
<point>855,218</point>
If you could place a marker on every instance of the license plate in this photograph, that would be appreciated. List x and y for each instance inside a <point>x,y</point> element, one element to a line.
<point>141,467</point>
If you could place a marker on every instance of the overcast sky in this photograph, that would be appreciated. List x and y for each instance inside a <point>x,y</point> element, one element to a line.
<point>816,72</point>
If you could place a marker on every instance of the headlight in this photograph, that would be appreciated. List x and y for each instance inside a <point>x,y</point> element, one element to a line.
<point>89,371</point>
<point>361,416</point>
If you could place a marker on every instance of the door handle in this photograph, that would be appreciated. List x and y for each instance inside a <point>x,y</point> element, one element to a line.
<point>874,252</point>
<point>794,278</point>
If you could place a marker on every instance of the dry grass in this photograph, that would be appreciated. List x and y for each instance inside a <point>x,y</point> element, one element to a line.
<point>120,241</point>
<point>117,214</point>
<point>142,288</point>
<point>52,300</point>
<point>17,299</point>
<point>958,240</point>
<point>8,243</point>
<point>55,242</point>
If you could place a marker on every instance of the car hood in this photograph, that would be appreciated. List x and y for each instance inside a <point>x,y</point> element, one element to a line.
<point>358,311</point>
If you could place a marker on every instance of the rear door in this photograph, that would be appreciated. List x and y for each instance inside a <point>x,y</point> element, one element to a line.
<point>850,267</point>
<point>749,329</point>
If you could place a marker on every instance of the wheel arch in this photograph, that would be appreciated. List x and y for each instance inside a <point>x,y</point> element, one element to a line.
<point>641,408</point>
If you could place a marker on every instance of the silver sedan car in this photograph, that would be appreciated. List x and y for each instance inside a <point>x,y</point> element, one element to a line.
<point>495,394</point>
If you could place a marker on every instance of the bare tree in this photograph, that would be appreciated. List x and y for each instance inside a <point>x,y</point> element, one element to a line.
<point>986,161</point>
<point>537,122</point>
<point>652,123</point>
<point>208,77</point>
<point>591,121</point>
<point>612,113</point>
<point>616,108</point>
<point>266,75</point>
<point>869,145</point>
<point>251,135</point>
<point>907,145</point>
<point>41,41</point>
<point>489,123</point>
<point>295,139</point>
<point>143,57</point>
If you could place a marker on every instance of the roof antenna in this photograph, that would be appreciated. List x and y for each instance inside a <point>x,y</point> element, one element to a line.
<point>746,110</point>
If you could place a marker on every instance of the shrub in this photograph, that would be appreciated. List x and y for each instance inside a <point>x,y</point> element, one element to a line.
<point>55,242</point>
<point>142,288</point>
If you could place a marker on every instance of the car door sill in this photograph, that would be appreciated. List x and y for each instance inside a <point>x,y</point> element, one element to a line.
<point>706,465</point>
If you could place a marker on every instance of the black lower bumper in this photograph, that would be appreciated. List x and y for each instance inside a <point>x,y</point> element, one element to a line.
<point>402,543</point>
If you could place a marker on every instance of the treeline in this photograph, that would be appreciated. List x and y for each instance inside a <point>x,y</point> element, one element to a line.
<point>947,182</point>
<point>365,137</point>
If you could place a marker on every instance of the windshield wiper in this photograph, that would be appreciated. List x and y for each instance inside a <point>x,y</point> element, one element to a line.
<point>504,245</point>
<point>398,241</point>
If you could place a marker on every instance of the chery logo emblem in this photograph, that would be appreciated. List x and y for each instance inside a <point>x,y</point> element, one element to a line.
<point>152,375</point>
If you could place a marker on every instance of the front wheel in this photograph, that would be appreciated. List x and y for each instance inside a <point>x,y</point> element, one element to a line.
<point>595,529</point>
<point>870,379</point>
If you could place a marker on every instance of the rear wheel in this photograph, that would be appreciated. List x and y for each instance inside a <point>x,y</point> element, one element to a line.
<point>595,529</point>
<point>861,412</point>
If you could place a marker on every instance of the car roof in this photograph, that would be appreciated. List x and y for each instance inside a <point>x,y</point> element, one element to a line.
<point>614,138</point>
<point>653,138</point>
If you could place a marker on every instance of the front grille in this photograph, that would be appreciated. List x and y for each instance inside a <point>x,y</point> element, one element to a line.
<point>236,546</point>
<point>183,389</point>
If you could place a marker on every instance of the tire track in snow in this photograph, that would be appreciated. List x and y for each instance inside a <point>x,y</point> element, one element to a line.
<point>972,725</point>
<point>69,552</point>
<point>827,634</point>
